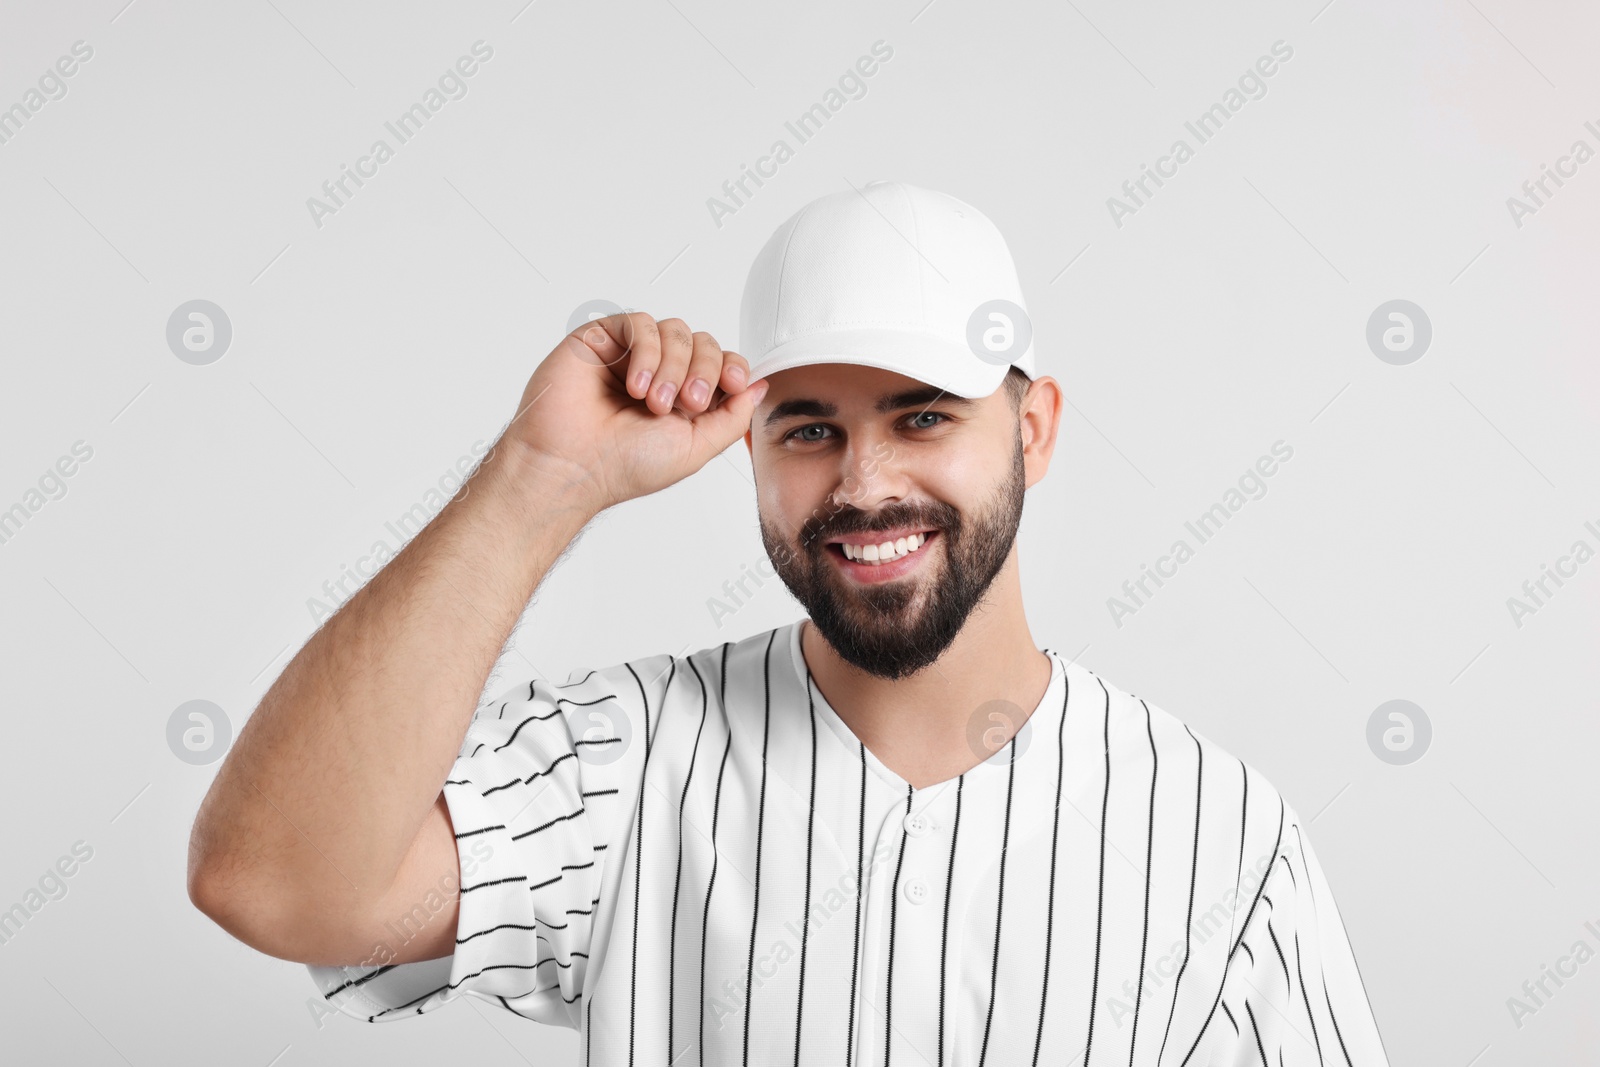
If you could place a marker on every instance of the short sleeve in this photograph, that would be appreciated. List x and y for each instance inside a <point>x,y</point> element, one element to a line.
<point>530,858</point>
<point>1292,993</point>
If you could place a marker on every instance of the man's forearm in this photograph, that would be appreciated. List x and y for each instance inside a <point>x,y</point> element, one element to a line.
<point>330,779</point>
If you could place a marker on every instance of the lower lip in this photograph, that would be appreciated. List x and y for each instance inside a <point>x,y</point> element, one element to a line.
<point>870,573</point>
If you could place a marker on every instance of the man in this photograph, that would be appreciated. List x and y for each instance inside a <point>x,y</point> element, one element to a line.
<point>895,831</point>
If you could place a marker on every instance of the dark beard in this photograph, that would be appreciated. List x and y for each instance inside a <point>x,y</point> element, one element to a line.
<point>870,626</point>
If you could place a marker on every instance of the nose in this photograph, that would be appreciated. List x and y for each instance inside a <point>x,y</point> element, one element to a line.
<point>869,476</point>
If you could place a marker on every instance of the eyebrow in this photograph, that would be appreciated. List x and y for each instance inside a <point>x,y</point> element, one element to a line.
<point>922,396</point>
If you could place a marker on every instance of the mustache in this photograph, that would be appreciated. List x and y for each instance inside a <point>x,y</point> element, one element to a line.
<point>855,521</point>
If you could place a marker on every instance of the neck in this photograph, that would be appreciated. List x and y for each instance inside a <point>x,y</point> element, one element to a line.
<point>924,727</point>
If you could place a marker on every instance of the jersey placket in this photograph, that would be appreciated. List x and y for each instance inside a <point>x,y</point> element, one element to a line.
<point>906,913</point>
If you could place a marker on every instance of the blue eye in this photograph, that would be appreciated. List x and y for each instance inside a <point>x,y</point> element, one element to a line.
<point>803,433</point>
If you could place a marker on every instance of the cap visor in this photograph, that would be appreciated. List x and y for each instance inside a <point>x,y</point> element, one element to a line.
<point>925,357</point>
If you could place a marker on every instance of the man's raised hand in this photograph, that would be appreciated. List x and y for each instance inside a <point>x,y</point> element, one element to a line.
<point>627,405</point>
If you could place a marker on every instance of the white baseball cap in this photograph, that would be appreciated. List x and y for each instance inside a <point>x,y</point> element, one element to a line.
<point>893,276</point>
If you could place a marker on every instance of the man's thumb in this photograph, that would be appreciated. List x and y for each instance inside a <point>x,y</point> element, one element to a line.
<point>724,424</point>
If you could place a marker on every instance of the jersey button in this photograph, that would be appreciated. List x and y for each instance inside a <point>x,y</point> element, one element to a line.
<point>915,889</point>
<point>918,825</point>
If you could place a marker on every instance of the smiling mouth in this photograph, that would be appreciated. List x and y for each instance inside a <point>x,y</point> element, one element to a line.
<point>886,551</point>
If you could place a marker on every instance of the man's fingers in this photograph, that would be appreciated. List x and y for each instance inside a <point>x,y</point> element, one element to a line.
<point>625,344</point>
<point>677,345</point>
<point>662,363</point>
<point>705,368</point>
<point>592,344</point>
<point>735,371</point>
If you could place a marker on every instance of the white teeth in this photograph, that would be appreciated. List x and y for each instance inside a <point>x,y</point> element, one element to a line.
<point>887,552</point>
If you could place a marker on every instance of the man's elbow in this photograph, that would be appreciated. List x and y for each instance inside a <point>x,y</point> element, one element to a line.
<point>260,908</point>
<point>240,902</point>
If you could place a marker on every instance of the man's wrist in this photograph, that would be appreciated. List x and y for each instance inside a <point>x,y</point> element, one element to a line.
<point>540,486</point>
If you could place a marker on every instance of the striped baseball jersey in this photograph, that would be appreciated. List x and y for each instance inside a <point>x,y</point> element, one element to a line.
<point>694,860</point>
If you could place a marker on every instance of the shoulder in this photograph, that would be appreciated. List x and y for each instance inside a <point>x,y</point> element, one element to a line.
<point>601,712</point>
<point>648,681</point>
<point>1186,769</point>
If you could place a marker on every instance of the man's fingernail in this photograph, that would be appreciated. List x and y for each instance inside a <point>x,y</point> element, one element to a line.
<point>737,374</point>
<point>641,381</point>
<point>594,336</point>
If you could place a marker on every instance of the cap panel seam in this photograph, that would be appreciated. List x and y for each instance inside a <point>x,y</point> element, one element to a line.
<point>783,265</point>
<point>916,246</point>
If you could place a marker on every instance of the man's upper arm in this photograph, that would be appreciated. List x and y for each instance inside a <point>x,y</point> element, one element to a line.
<point>498,893</point>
